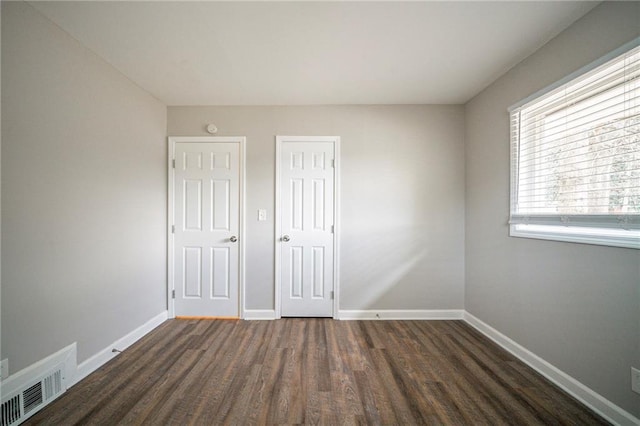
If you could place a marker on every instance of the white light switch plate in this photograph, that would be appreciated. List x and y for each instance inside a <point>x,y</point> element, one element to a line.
<point>262,214</point>
<point>635,380</point>
<point>4,367</point>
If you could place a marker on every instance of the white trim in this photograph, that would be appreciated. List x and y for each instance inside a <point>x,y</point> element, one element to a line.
<point>336,219</point>
<point>170,223</point>
<point>259,314</point>
<point>605,408</point>
<point>401,314</point>
<point>336,227</point>
<point>243,227</point>
<point>277,297</point>
<point>589,236</point>
<point>242,141</point>
<point>99,359</point>
<point>585,69</point>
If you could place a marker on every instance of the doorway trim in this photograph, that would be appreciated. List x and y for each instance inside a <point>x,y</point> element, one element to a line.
<point>242,142</point>
<point>336,219</point>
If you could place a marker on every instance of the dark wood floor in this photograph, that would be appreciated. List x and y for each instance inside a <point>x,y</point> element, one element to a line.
<point>296,371</point>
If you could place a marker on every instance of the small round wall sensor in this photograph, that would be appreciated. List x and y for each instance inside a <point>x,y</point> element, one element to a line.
<point>211,128</point>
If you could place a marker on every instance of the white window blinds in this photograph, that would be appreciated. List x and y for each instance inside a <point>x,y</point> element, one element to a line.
<point>575,151</point>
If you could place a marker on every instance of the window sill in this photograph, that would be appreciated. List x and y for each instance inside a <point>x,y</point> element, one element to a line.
<point>602,237</point>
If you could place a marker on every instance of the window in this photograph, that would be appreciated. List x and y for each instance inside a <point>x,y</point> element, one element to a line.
<point>575,156</point>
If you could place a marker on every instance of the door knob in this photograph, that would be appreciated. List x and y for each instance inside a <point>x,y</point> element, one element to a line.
<point>233,239</point>
<point>286,238</point>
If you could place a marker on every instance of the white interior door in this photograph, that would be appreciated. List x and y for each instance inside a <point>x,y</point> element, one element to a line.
<point>307,218</point>
<point>206,210</point>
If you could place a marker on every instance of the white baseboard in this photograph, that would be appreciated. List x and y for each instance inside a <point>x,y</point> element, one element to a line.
<point>379,314</point>
<point>401,314</point>
<point>259,314</point>
<point>98,360</point>
<point>582,393</point>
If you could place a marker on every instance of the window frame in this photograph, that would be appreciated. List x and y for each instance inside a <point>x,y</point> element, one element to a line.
<point>597,229</point>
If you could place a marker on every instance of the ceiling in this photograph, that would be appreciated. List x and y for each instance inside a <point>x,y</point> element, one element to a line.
<point>313,53</point>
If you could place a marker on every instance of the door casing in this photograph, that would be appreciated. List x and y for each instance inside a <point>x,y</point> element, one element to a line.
<point>241,141</point>
<point>336,214</point>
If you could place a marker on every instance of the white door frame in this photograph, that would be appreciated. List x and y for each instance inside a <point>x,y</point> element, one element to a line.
<point>241,141</point>
<point>336,218</point>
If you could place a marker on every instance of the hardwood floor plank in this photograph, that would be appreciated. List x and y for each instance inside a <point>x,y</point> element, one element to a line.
<point>237,414</point>
<point>315,371</point>
<point>366,394</point>
<point>401,407</point>
<point>511,405</point>
<point>161,391</point>
<point>550,398</point>
<point>185,391</point>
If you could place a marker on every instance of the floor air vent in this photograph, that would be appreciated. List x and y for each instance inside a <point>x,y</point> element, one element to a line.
<point>18,408</point>
<point>11,411</point>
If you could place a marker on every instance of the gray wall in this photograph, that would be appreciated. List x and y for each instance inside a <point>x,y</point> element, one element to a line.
<point>575,305</point>
<point>84,195</point>
<point>402,186</point>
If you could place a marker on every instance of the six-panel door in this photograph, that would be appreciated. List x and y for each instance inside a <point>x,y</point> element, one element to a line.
<point>307,219</point>
<point>206,211</point>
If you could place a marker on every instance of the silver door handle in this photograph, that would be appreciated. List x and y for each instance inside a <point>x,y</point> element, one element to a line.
<point>285,238</point>
<point>233,239</point>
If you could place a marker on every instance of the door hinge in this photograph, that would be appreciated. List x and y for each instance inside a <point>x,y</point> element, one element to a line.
<point>173,162</point>
<point>173,294</point>
<point>333,163</point>
<point>332,229</point>
<point>331,294</point>
<point>173,229</point>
